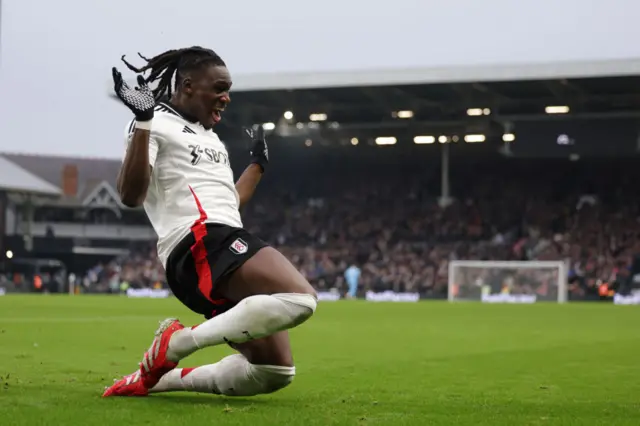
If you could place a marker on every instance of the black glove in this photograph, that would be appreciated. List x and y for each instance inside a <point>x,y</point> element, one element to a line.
<point>139,100</point>
<point>259,149</point>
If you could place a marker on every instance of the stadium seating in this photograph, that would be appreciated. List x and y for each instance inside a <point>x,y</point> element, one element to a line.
<point>391,226</point>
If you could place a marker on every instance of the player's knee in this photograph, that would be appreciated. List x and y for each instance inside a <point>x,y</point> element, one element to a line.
<point>305,288</point>
<point>299,284</point>
<point>279,311</point>
<point>301,306</point>
<point>308,289</point>
<point>271,378</point>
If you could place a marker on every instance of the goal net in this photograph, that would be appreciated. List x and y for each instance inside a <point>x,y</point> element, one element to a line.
<point>507,281</point>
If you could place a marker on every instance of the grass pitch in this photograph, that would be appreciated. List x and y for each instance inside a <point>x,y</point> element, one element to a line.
<point>358,363</point>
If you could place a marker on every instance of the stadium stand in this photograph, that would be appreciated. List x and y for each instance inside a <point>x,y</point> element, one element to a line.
<point>562,188</point>
<point>392,227</point>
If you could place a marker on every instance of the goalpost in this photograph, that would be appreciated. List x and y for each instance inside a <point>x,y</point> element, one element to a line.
<point>507,281</point>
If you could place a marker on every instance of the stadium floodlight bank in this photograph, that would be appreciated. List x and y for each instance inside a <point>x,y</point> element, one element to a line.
<point>507,281</point>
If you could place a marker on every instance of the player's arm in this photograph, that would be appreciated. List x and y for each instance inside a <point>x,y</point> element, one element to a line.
<point>135,173</point>
<point>248,182</point>
<point>249,179</point>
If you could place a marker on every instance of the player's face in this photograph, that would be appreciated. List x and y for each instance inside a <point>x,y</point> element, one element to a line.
<point>210,94</point>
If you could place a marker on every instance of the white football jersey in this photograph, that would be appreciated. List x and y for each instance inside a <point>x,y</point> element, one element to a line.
<point>191,181</point>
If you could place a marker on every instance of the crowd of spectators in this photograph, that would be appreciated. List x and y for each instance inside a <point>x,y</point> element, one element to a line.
<point>393,226</point>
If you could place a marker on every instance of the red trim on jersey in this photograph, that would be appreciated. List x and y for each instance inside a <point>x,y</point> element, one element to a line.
<point>199,251</point>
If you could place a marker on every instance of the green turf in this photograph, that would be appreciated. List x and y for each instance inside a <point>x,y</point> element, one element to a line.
<point>358,363</point>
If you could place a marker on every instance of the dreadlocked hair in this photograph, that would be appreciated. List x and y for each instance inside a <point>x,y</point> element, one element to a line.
<point>172,63</point>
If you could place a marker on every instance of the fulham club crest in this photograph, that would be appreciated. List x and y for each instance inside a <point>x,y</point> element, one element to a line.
<point>239,246</point>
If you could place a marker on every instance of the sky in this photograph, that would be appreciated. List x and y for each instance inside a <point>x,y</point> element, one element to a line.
<point>55,57</point>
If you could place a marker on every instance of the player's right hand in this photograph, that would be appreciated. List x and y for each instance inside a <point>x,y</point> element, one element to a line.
<point>139,100</point>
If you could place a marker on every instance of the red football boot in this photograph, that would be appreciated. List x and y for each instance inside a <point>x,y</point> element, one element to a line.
<point>130,385</point>
<point>154,364</point>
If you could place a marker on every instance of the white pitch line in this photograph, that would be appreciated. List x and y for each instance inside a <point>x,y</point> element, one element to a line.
<point>20,320</point>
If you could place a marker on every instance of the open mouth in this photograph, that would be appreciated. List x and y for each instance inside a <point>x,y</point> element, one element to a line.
<point>216,115</point>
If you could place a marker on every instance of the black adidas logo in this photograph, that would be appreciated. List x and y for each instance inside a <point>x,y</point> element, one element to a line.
<point>188,130</point>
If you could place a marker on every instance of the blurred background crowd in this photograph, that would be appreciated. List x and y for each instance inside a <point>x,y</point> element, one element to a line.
<point>391,229</point>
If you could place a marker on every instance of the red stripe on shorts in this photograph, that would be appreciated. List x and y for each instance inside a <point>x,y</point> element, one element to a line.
<point>199,251</point>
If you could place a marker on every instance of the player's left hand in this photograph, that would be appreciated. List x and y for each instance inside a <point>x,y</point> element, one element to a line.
<point>259,149</point>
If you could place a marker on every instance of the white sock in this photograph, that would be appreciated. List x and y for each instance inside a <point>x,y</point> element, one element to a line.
<point>232,376</point>
<point>254,317</point>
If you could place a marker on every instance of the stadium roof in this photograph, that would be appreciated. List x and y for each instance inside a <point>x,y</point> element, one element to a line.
<point>371,103</point>
<point>449,74</point>
<point>371,111</point>
<point>443,101</point>
<point>14,178</point>
<point>91,171</point>
<point>367,111</point>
